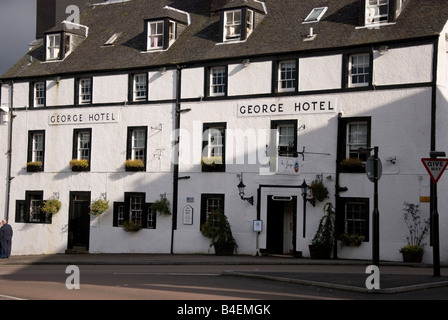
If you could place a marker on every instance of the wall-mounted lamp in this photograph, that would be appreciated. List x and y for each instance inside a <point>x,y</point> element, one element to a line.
<point>304,188</point>
<point>241,187</point>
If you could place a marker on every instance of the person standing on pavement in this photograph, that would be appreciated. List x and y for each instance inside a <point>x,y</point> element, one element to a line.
<point>1,251</point>
<point>5,238</point>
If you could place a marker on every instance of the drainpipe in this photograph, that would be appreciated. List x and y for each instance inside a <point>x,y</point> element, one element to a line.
<point>9,152</point>
<point>337,187</point>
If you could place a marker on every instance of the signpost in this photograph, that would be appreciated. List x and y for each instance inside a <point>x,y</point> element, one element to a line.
<point>435,167</point>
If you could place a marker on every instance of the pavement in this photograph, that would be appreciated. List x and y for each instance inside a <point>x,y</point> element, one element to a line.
<point>395,277</point>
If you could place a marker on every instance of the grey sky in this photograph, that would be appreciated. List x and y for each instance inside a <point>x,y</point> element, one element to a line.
<point>17,30</point>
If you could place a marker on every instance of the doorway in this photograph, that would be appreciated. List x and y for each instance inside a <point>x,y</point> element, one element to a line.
<point>79,222</point>
<point>281,225</point>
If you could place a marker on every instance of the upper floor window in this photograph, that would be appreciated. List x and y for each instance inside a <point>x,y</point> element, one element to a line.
<point>218,81</point>
<point>53,46</point>
<point>359,70</point>
<point>136,148</point>
<point>36,150</point>
<point>238,24</point>
<point>287,76</point>
<point>140,87</point>
<point>286,137</point>
<point>355,136</point>
<point>377,11</point>
<point>155,35</point>
<point>85,91</point>
<point>82,141</point>
<point>213,152</point>
<point>39,94</point>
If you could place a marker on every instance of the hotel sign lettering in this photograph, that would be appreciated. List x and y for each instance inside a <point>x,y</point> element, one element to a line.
<point>305,106</point>
<point>83,118</point>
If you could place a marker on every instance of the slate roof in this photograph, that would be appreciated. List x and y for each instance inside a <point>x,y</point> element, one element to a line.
<point>280,31</point>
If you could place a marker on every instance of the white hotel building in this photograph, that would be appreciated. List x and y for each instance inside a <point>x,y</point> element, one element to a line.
<point>291,89</point>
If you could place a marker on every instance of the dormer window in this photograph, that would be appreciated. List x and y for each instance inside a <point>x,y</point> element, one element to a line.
<point>58,46</point>
<point>155,35</point>
<point>238,24</point>
<point>377,11</point>
<point>53,46</point>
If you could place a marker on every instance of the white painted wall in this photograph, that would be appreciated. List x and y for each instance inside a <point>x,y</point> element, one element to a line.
<point>320,73</point>
<point>60,93</point>
<point>254,78</point>
<point>108,89</point>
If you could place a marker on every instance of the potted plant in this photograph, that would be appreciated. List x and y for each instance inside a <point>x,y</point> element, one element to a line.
<point>134,165</point>
<point>351,240</point>
<point>97,207</point>
<point>322,243</point>
<point>131,226</point>
<point>162,206</point>
<point>217,228</point>
<point>34,166</point>
<point>418,230</point>
<point>319,191</point>
<point>79,165</point>
<point>51,206</point>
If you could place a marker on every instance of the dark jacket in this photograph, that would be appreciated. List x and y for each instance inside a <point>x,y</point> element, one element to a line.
<point>6,232</point>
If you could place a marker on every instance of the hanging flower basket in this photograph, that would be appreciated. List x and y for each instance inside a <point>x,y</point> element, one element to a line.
<point>51,206</point>
<point>319,191</point>
<point>162,206</point>
<point>97,207</point>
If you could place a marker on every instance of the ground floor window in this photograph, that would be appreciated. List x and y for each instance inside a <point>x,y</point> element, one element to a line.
<point>136,210</point>
<point>353,217</point>
<point>29,210</point>
<point>209,204</point>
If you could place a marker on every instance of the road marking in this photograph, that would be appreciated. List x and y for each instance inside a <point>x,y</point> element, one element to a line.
<point>10,297</point>
<point>167,274</point>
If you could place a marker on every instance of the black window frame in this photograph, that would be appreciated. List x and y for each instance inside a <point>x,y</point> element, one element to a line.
<point>346,70</point>
<point>222,127</point>
<point>77,91</point>
<point>75,154</point>
<point>208,82</point>
<point>341,216</point>
<point>22,214</point>
<point>275,76</point>
<point>342,143</point>
<point>204,199</point>
<point>32,94</point>
<point>129,140</point>
<point>31,134</point>
<point>131,86</point>
<point>275,126</point>
<point>126,207</point>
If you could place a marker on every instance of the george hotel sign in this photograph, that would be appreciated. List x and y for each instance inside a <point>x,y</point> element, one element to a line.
<point>298,107</point>
<point>83,118</point>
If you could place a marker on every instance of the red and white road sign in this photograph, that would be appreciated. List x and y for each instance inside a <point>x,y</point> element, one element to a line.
<point>435,167</point>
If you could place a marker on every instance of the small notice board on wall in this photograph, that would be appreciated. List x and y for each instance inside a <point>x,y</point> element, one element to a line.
<point>188,215</point>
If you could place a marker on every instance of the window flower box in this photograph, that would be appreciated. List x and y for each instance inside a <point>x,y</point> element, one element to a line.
<point>79,165</point>
<point>34,166</point>
<point>352,165</point>
<point>212,164</point>
<point>134,165</point>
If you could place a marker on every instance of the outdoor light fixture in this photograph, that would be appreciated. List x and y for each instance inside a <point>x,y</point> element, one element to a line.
<point>241,187</point>
<point>304,188</point>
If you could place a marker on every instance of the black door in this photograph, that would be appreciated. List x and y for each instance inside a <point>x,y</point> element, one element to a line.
<point>79,221</point>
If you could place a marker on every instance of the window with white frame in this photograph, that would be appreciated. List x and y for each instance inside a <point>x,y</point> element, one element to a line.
<point>82,140</point>
<point>140,87</point>
<point>232,25</point>
<point>53,46</point>
<point>39,94</point>
<point>286,140</point>
<point>138,145</point>
<point>359,70</point>
<point>85,91</point>
<point>37,147</point>
<point>287,76</point>
<point>218,81</point>
<point>315,15</point>
<point>155,35</point>
<point>377,11</point>
<point>357,138</point>
<point>135,209</point>
<point>29,210</point>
